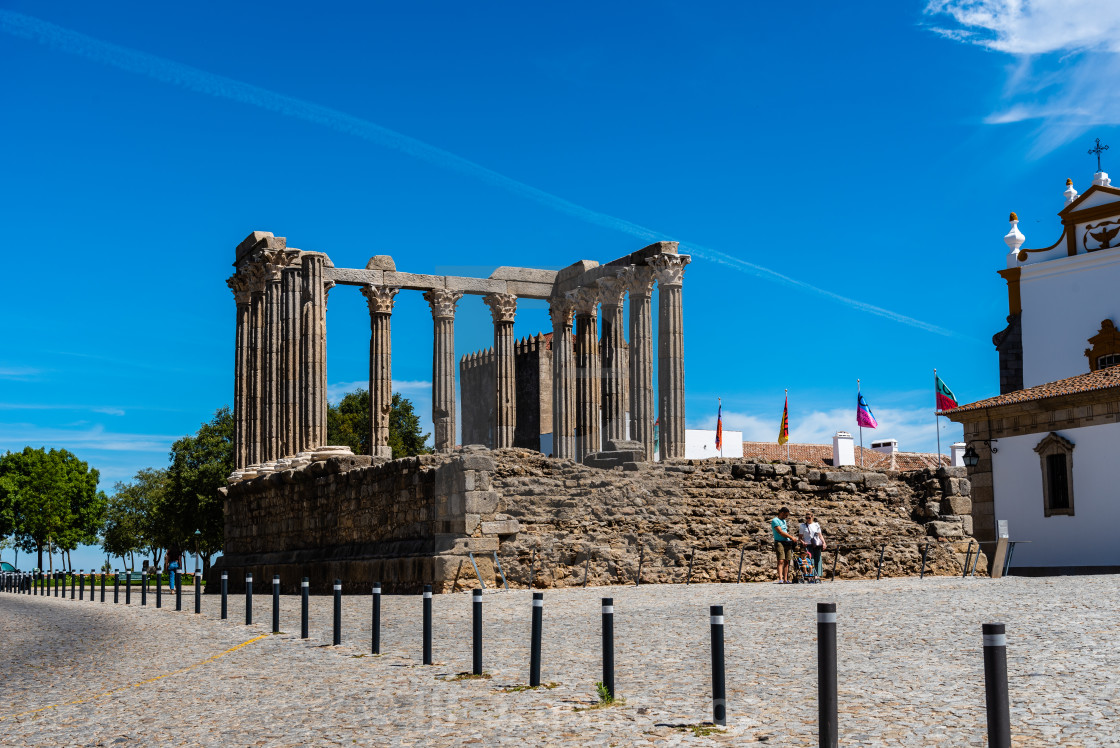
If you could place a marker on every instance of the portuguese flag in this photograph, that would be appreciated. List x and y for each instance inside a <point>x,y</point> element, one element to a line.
<point>945,397</point>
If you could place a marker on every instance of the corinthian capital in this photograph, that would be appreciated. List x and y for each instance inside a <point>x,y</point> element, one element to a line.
<point>638,279</point>
<point>442,301</point>
<point>380,298</point>
<point>241,287</point>
<point>612,291</point>
<point>586,301</point>
<point>669,269</point>
<point>562,310</point>
<point>503,306</point>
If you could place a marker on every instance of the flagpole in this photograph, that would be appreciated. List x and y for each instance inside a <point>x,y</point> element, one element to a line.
<point>858,423</point>
<point>936,422</point>
<point>787,422</point>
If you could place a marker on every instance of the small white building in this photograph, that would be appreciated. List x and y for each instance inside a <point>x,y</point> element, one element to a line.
<point>1043,450</point>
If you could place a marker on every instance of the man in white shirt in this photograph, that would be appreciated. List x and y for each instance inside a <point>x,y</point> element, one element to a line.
<point>813,539</point>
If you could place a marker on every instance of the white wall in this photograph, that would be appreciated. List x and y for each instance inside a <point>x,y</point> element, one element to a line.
<point>1088,538</point>
<point>700,444</point>
<point>1064,301</point>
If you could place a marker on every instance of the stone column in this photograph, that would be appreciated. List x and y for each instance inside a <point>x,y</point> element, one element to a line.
<point>380,299</point>
<point>270,395</point>
<point>611,344</point>
<point>239,284</point>
<point>254,411</point>
<point>670,352</point>
<point>503,308</point>
<point>587,372</point>
<point>290,307</point>
<point>442,301</point>
<point>563,379</point>
<point>639,284</point>
<point>313,350</point>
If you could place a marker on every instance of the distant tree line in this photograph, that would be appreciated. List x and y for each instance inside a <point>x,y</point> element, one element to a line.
<point>49,500</point>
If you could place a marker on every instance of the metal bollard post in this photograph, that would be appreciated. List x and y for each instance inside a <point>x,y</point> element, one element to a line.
<point>376,644</point>
<point>995,685</point>
<point>476,660</point>
<point>159,589</point>
<point>116,587</point>
<point>127,587</point>
<point>197,592</point>
<point>143,588</point>
<point>337,612</point>
<point>91,583</point>
<point>81,584</point>
<point>608,645</point>
<point>427,624</point>
<point>178,592</point>
<point>303,608</point>
<point>276,603</point>
<point>248,599</point>
<point>827,702</point>
<point>879,571</point>
<point>719,672</point>
<point>925,550</point>
<point>225,595</point>
<point>102,586</point>
<point>535,641</point>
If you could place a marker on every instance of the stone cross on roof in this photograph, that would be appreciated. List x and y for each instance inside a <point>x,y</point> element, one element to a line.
<point>1098,150</point>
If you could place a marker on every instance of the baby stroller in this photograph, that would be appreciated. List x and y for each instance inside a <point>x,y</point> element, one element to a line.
<point>802,570</point>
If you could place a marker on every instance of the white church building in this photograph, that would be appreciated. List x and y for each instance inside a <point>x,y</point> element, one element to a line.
<point>1044,455</point>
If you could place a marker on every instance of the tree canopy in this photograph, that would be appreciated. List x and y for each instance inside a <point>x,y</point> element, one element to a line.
<point>348,424</point>
<point>200,465</point>
<point>134,516</point>
<point>49,498</point>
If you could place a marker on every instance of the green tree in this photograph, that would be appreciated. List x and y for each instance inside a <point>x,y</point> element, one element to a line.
<point>200,465</point>
<point>348,424</point>
<point>134,519</point>
<point>52,499</point>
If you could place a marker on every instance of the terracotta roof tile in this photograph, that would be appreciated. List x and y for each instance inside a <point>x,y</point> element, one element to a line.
<point>820,455</point>
<point>1101,379</point>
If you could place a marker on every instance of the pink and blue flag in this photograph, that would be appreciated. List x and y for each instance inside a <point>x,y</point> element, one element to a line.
<point>864,417</point>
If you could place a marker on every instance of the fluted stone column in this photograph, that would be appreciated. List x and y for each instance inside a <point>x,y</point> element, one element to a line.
<point>639,284</point>
<point>290,283</point>
<point>670,352</point>
<point>503,308</point>
<point>270,423</point>
<point>313,347</point>
<point>611,345</point>
<point>380,299</point>
<point>239,284</point>
<point>254,416</point>
<point>587,372</point>
<point>442,302</point>
<point>562,311</point>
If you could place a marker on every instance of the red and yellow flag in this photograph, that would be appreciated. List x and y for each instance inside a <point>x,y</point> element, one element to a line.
<point>719,426</point>
<point>783,432</point>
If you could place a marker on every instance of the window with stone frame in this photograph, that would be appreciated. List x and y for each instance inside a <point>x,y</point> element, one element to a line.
<point>1056,457</point>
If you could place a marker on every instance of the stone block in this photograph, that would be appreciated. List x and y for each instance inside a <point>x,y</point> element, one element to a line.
<point>942,529</point>
<point>481,502</point>
<point>845,476</point>
<point>471,522</point>
<point>623,445</point>
<point>477,462</point>
<point>633,467</point>
<point>782,469</point>
<point>952,472</point>
<point>500,527</point>
<point>743,470</point>
<point>874,479</point>
<point>965,486</point>
<point>956,505</point>
<point>966,525</point>
<point>381,262</point>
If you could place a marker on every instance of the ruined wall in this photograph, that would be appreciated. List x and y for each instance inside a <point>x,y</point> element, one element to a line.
<point>414,521</point>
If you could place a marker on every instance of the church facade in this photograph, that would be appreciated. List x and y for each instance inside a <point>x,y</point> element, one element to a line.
<point>1046,449</point>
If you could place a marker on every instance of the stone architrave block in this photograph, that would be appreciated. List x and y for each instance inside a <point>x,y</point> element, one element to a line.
<point>956,505</point>
<point>501,527</point>
<point>532,275</point>
<point>845,476</point>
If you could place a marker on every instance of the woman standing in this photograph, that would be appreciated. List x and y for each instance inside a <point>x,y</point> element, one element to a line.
<point>813,539</point>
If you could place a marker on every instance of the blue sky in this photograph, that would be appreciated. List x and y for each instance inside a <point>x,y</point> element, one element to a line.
<point>841,173</point>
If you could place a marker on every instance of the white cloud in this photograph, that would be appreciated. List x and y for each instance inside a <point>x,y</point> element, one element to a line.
<point>18,373</point>
<point>1068,59</point>
<point>16,436</point>
<point>111,410</point>
<point>913,428</point>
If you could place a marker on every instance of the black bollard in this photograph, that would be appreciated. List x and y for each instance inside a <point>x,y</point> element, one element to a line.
<point>719,672</point>
<point>476,638</point>
<point>102,586</point>
<point>879,571</point>
<point>248,599</point>
<point>535,640</point>
<point>91,585</point>
<point>116,587</point>
<point>608,646</point>
<point>159,590</point>
<point>967,558</point>
<point>376,644</point>
<point>276,603</point>
<point>225,595</point>
<point>197,592</point>
<point>925,550</point>
<point>178,592</point>
<point>427,624</point>
<point>127,587</point>
<point>303,609</point>
<point>337,612</point>
<point>995,685</point>
<point>827,702</point>
<point>81,584</point>
<point>641,559</point>
<point>144,589</point>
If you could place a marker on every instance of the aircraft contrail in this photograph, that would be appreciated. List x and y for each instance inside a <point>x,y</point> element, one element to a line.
<point>211,84</point>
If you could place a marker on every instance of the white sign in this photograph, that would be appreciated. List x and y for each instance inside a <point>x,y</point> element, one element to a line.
<point>1001,529</point>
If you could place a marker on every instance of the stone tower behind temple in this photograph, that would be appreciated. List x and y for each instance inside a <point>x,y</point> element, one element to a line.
<point>533,364</point>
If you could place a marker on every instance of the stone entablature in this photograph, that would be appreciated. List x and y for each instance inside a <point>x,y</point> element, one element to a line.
<point>280,372</point>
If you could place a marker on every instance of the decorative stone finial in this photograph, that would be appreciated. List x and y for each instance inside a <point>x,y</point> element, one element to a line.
<point>1070,193</point>
<point>1014,239</point>
<point>1101,179</point>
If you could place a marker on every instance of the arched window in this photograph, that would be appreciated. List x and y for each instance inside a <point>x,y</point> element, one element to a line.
<point>1056,456</point>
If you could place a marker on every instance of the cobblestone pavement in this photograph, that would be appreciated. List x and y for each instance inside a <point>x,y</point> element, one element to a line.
<point>911,668</point>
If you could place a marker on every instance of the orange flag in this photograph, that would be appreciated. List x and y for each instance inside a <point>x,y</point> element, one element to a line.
<point>783,432</point>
